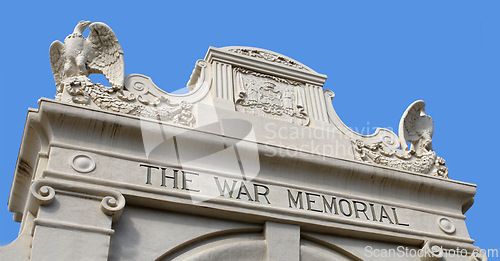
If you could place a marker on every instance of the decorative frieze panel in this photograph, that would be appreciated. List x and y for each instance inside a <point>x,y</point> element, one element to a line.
<point>425,163</point>
<point>269,56</point>
<point>270,96</point>
<point>83,91</point>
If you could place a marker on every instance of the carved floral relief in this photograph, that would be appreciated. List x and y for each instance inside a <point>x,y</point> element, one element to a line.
<point>269,56</point>
<point>415,128</point>
<point>83,91</point>
<point>101,53</point>
<point>426,163</point>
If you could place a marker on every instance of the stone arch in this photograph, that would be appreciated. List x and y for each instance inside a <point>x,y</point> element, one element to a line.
<point>315,249</point>
<point>241,246</point>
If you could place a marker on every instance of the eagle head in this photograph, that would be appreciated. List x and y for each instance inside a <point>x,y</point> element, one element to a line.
<point>81,26</point>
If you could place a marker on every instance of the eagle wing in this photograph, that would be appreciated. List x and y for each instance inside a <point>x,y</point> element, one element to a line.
<point>106,55</point>
<point>56,53</point>
<point>414,123</point>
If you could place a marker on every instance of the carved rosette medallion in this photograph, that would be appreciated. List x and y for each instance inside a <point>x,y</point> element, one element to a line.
<point>270,96</point>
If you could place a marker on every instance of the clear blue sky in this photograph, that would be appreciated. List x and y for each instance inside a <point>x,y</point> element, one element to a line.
<point>379,56</point>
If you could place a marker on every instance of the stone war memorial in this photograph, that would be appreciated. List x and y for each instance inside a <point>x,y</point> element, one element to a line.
<point>253,163</point>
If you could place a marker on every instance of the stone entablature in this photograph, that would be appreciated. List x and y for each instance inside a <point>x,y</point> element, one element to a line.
<point>133,160</point>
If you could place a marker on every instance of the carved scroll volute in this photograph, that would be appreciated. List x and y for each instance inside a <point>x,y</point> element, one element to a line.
<point>301,104</point>
<point>40,195</point>
<point>388,140</point>
<point>43,193</point>
<point>478,255</point>
<point>113,206</point>
<point>134,95</point>
<point>383,147</point>
<point>431,252</point>
<point>238,87</point>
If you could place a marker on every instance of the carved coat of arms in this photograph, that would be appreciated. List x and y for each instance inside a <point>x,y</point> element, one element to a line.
<point>270,96</point>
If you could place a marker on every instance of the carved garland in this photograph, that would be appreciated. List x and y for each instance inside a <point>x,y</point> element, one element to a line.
<point>278,79</point>
<point>83,91</point>
<point>427,163</point>
<point>272,57</point>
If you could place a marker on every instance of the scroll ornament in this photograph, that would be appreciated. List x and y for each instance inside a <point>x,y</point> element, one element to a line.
<point>101,53</point>
<point>417,128</point>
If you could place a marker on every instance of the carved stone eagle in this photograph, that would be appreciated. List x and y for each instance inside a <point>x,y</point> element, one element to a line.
<point>417,128</point>
<point>99,53</point>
